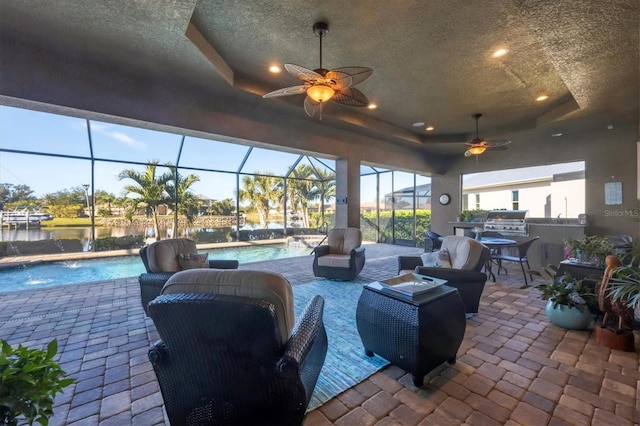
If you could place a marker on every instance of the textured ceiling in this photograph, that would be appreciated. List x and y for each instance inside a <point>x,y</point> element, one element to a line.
<point>431,59</point>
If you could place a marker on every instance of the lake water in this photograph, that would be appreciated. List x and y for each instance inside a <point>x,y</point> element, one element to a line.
<point>78,271</point>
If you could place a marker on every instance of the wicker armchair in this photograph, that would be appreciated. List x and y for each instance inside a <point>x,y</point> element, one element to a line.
<point>160,259</point>
<point>468,257</point>
<point>231,351</point>
<point>342,258</point>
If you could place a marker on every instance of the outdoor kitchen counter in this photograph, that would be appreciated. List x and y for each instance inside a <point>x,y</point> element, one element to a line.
<point>548,250</point>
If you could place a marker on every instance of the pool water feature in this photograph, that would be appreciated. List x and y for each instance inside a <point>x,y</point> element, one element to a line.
<point>86,270</point>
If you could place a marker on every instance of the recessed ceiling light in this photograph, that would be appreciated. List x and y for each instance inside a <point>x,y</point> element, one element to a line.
<point>275,69</point>
<point>418,124</point>
<point>542,98</point>
<point>372,106</point>
<point>430,128</point>
<point>555,135</point>
<point>499,53</point>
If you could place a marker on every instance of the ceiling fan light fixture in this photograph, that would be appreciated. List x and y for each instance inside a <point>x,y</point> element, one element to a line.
<point>476,150</point>
<point>320,92</point>
<point>499,53</point>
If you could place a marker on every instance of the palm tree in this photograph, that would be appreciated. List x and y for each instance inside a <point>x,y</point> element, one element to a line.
<point>104,197</point>
<point>148,190</point>
<point>325,188</point>
<point>260,191</point>
<point>301,191</point>
<point>184,202</point>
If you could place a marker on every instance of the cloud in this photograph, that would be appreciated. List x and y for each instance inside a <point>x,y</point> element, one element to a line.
<point>118,136</point>
<point>127,140</point>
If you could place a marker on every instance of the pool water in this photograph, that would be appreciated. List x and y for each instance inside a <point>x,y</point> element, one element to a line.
<point>78,271</point>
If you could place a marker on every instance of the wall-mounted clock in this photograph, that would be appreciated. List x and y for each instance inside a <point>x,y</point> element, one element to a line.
<point>444,199</point>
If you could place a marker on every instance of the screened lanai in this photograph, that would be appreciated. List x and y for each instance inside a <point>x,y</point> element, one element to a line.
<point>80,171</point>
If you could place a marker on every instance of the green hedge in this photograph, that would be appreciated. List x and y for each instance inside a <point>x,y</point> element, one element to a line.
<point>119,243</point>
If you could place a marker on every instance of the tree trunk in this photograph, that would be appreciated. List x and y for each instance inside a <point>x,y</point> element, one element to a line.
<point>156,225</point>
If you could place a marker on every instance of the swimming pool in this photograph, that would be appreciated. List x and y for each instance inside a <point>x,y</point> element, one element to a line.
<point>78,271</point>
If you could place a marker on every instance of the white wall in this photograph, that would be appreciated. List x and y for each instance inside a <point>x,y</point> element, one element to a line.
<point>533,196</point>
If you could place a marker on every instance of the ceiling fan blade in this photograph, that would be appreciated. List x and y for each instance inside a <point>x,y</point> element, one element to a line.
<point>313,108</point>
<point>346,77</point>
<point>496,144</point>
<point>350,97</point>
<point>499,148</point>
<point>302,73</point>
<point>287,91</point>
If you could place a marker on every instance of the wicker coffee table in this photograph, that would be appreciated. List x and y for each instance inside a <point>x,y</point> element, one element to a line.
<point>416,334</point>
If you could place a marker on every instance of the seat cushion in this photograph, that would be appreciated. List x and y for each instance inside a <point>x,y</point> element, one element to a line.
<point>334,260</point>
<point>343,240</point>
<point>253,284</point>
<point>464,252</point>
<point>163,255</point>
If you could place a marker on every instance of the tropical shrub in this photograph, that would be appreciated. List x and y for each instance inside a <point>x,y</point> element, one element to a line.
<point>29,381</point>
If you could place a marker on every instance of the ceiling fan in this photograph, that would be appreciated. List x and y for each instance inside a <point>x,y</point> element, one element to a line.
<point>479,145</point>
<point>322,85</point>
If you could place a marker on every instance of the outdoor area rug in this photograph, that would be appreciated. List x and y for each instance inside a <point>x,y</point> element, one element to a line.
<point>346,364</point>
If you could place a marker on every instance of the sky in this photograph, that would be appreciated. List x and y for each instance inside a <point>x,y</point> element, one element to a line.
<point>34,131</point>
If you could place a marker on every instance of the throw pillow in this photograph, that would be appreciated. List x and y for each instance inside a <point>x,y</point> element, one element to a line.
<point>193,260</point>
<point>436,259</point>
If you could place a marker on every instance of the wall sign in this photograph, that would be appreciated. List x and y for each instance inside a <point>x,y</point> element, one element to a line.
<point>613,193</point>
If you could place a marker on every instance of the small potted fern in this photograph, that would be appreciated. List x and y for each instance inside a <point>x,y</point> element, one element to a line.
<point>29,381</point>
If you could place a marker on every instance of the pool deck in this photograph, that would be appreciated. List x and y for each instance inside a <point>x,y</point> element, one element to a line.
<point>513,367</point>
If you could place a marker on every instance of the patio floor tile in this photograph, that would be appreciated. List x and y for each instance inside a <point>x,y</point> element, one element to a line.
<point>513,367</point>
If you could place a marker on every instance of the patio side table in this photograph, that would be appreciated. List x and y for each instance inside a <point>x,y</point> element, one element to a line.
<point>416,334</point>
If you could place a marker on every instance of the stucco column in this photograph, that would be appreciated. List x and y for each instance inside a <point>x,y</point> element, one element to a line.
<point>347,193</point>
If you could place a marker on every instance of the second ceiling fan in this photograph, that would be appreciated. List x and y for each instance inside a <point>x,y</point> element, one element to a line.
<point>322,85</point>
<point>479,145</point>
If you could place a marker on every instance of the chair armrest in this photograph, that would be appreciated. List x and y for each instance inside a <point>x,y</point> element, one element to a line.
<point>408,262</point>
<point>322,250</point>
<point>156,279</point>
<point>223,264</point>
<point>454,275</point>
<point>308,327</point>
<point>358,251</point>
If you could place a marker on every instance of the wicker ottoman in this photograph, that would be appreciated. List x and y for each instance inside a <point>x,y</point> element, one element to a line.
<point>416,334</point>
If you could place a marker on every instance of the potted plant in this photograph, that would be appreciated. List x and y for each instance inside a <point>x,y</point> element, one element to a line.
<point>627,248</point>
<point>619,300</point>
<point>568,299</point>
<point>29,381</point>
<point>591,249</point>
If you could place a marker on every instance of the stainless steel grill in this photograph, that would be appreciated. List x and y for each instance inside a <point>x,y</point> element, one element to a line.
<point>507,222</point>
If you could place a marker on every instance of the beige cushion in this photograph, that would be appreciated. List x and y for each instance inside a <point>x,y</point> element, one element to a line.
<point>254,284</point>
<point>343,240</point>
<point>193,260</point>
<point>163,255</point>
<point>464,252</point>
<point>334,260</point>
<point>436,259</point>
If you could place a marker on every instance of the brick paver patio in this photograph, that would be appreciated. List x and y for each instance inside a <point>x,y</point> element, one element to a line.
<point>513,366</point>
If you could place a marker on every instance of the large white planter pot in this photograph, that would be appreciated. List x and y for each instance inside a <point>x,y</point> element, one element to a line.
<point>569,317</point>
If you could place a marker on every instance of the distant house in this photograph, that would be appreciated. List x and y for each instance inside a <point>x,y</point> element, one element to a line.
<point>403,198</point>
<point>556,190</point>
